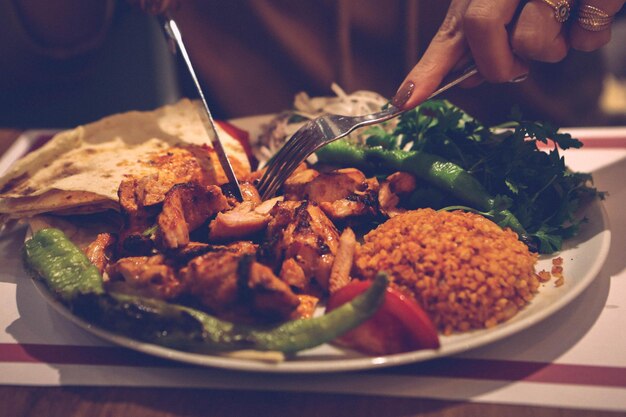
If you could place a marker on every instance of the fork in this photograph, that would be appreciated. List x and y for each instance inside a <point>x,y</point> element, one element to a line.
<point>324,130</point>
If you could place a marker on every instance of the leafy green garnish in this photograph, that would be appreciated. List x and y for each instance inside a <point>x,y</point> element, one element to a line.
<point>535,186</point>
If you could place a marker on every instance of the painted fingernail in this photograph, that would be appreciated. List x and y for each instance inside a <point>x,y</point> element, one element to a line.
<point>403,94</point>
<point>519,78</point>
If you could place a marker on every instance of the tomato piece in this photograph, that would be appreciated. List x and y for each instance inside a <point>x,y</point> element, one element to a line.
<point>399,325</point>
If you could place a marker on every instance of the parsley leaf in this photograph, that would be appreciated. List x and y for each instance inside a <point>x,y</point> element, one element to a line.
<point>535,186</point>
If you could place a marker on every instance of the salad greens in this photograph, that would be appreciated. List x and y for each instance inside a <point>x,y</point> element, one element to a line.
<point>497,171</point>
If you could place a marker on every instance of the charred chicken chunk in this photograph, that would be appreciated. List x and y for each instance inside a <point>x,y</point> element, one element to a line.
<point>358,204</point>
<point>340,272</point>
<point>146,275</point>
<point>186,207</point>
<point>292,273</point>
<point>242,221</point>
<point>299,230</point>
<point>137,219</point>
<point>391,189</point>
<point>177,165</point>
<point>232,286</point>
<point>267,206</point>
<point>341,194</point>
<point>213,278</point>
<point>270,296</point>
<point>181,256</point>
<point>306,308</point>
<point>250,193</point>
<point>295,187</point>
<point>100,250</point>
<point>335,185</point>
<point>140,197</point>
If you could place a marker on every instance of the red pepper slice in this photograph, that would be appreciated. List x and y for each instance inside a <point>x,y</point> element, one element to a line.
<point>243,137</point>
<point>399,325</point>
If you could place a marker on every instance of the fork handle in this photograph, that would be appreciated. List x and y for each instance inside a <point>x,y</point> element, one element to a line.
<point>393,111</point>
<point>469,71</point>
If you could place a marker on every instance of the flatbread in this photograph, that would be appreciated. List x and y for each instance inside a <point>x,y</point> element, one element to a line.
<point>80,170</point>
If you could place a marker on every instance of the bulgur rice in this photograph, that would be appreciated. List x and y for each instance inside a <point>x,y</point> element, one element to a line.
<point>463,269</point>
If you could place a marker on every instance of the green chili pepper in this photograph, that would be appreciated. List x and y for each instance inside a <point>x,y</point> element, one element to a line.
<point>433,169</point>
<point>62,266</point>
<point>302,334</point>
<point>65,268</point>
<point>185,328</point>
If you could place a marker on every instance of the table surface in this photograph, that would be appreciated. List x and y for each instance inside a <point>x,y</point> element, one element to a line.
<point>68,401</point>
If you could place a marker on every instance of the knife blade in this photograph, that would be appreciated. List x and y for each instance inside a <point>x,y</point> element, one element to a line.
<point>175,41</point>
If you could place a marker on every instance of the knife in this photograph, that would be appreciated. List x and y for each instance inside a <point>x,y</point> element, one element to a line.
<point>175,41</point>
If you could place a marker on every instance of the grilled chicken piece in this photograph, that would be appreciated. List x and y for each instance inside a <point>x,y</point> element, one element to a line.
<point>181,256</point>
<point>299,230</point>
<point>293,274</point>
<point>242,221</point>
<point>391,189</point>
<point>185,208</point>
<point>250,193</point>
<point>177,165</point>
<point>145,275</point>
<point>335,185</point>
<point>329,186</point>
<point>345,208</point>
<point>342,193</point>
<point>140,197</point>
<point>213,277</point>
<point>270,296</point>
<point>340,272</point>
<point>151,189</point>
<point>100,250</point>
<point>137,219</point>
<point>267,206</point>
<point>229,283</point>
<point>255,176</point>
<point>306,308</point>
<point>359,204</point>
<point>295,187</point>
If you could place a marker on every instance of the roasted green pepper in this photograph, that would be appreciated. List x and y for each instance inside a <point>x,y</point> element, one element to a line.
<point>64,268</point>
<point>433,169</point>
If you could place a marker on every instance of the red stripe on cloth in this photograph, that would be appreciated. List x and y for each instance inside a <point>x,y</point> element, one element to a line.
<point>467,368</point>
<point>606,143</point>
<point>508,370</point>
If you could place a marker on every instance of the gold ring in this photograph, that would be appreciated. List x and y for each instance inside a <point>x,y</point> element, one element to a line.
<point>562,9</point>
<point>593,19</point>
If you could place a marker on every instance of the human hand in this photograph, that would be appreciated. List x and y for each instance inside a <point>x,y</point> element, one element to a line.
<point>501,36</point>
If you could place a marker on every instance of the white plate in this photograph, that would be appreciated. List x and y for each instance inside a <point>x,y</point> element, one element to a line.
<point>583,258</point>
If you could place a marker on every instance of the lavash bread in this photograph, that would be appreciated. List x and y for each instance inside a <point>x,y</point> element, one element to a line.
<point>80,170</point>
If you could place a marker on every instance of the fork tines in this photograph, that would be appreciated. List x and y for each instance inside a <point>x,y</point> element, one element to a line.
<point>282,165</point>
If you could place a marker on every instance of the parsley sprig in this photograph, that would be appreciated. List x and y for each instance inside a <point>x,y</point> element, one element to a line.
<point>535,186</point>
